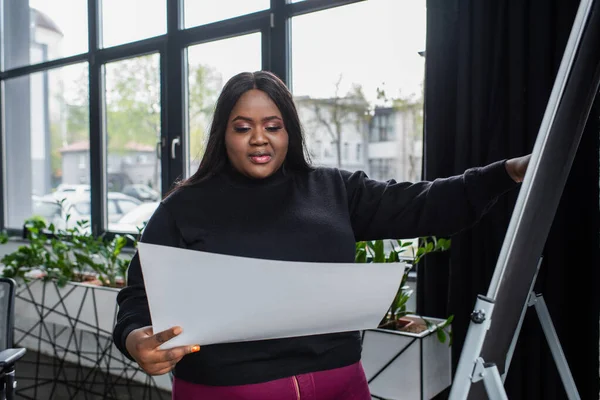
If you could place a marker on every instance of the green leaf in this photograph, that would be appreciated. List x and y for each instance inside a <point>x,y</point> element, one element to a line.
<point>393,257</point>
<point>443,244</point>
<point>361,256</point>
<point>429,248</point>
<point>441,335</point>
<point>378,251</point>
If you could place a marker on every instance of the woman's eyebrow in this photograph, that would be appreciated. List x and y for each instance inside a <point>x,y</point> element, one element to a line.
<point>241,117</point>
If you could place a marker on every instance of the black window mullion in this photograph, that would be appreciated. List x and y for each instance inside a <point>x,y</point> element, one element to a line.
<point>280,63</point>
<point>173,144</point>
<point>173,75</point>
<point>97,142</point>
<point>3,202</point>
<point>161,147</point>
<point>44,66</point>
<point>130,50</point>
<point>232,27</point>
<point>305,7</point>
<point>266,46</point>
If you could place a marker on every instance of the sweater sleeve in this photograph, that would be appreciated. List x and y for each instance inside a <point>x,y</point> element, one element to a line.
<point>443,207</point>
<point>133,310</point>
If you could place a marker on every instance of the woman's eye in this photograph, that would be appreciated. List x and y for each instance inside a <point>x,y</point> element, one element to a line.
<point>241,129</point>
<point>273,128</point>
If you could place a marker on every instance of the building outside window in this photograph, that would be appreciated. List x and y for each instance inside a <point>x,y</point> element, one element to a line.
<point>382,169</point>
<point>346,154</point>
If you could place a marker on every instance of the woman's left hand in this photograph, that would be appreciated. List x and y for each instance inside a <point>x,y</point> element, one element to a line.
<point>516,167</point>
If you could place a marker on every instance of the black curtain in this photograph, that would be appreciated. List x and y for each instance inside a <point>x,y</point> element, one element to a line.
<point>490,68</point>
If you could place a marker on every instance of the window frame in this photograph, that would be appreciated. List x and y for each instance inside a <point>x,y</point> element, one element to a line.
<point>274,25</point>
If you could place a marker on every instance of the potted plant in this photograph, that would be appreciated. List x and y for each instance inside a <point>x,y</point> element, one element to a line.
<point>65,305</point>
<point>407,356</point>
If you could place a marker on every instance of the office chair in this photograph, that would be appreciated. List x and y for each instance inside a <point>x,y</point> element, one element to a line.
<point>8,355</point>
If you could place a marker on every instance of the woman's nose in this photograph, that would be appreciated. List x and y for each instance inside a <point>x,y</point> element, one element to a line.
<point>258,137</point>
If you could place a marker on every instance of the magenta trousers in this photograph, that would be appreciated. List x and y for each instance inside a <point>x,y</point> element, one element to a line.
<point>347,383</point>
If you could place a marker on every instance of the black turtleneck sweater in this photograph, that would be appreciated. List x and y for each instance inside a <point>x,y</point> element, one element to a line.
<point>314,216</point>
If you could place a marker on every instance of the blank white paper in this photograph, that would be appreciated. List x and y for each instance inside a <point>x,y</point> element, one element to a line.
<point>218,298</point>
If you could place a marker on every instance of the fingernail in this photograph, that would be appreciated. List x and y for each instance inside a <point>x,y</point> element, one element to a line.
<point>195,348</point>
<point>177,330</point>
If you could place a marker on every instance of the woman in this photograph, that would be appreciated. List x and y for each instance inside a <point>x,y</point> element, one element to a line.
<point>256,195</point>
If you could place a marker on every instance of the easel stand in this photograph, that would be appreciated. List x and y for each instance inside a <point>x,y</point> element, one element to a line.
<point>472,368</point>
<point>575,87</point>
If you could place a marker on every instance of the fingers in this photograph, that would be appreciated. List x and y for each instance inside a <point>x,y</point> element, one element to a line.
<point>160,362</point>
<point>164,336</point>
<point>154,361</point>
<point>176,353</point>
<point>167,356</point>
<point>161,368</point>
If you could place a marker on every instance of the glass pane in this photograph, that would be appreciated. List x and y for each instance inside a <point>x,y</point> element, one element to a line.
<point>211,65</point>
<point>35,31</point>
<point>125,21</point>
<point>359,92</point>
<point>200,12</point>
<point>133,133</point>
<point>47,146</point>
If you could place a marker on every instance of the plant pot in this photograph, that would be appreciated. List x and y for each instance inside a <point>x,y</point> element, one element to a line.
<point>399,324</point>
<point>74,324</point>
<point>405,365</point>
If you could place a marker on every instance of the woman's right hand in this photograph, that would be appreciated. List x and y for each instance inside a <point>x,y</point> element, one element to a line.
<point>143,345</point>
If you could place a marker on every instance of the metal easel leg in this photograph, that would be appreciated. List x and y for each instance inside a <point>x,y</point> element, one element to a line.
<point>555,347</point>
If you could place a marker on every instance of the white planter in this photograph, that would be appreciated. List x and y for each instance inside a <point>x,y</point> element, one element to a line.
<point>74,323</point>
<point>406,366</point>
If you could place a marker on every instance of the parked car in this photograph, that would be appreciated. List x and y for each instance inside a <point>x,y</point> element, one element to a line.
<point>78,205</point>
<point>135,219</point>
<point>141,192</point>
<point>49,210</point>
<point>65,189</point>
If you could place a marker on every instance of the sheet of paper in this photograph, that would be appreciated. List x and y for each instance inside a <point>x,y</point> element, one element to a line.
<point>218,298</point>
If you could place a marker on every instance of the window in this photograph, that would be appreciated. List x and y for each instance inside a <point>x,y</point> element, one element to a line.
<point>126,206</point>
<point>336,83</point>
<point>42,30</point>
<point>133,127</point>
<point>318,151</point>
<point>46,136</point>
<point>386,128</point>
<point>382,127</point>
<point>52,97</point>
<point>135,219</point>
<point>211,65</point>
<point>382,169</point>
<point>51,212</point>
<point>125,21</point>
<point>113,211</point>
<point>200,12</point>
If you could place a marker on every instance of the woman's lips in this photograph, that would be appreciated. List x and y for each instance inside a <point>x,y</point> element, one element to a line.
<point>260,158</point>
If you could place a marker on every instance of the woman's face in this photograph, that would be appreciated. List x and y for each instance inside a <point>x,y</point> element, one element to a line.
<point>256,139</point>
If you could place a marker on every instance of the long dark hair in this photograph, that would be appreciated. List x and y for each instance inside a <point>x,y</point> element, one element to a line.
<point>215,156</point>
